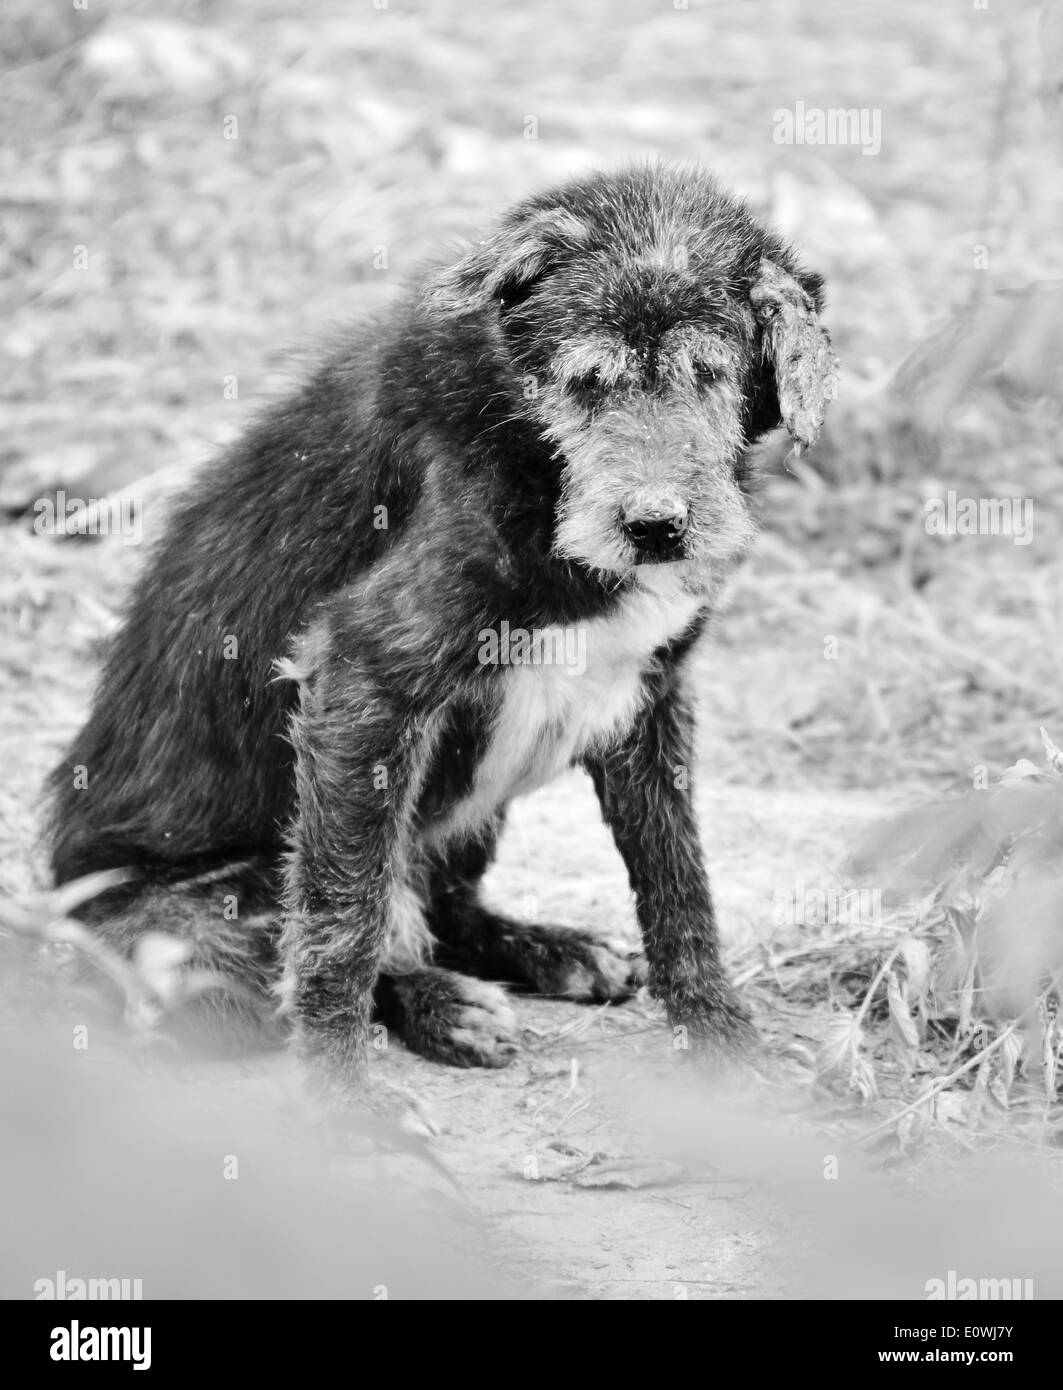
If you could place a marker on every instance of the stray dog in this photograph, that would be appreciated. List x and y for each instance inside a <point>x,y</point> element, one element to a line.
<point>475,549</point>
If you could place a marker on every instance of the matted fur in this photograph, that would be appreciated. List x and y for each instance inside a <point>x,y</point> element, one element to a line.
<point>542,450</point>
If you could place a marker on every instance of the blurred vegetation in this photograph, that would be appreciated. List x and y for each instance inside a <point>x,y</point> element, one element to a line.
<point>120,1161</point>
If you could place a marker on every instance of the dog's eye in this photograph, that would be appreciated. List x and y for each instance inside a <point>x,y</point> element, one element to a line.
<point>706,376</point>
<point>590,383</point>
<point>515,292</point>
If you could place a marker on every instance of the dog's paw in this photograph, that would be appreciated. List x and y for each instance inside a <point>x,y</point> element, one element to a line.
<point>580,965</point>
<point>720,1038</point>
<point>480,1029</point>
<point>454,1019</point>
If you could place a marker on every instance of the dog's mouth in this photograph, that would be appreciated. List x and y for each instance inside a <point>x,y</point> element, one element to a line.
<point>658,557</point>
<point>673,579</point>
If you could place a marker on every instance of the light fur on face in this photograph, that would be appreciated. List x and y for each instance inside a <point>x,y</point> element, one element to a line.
<point>649,450</point>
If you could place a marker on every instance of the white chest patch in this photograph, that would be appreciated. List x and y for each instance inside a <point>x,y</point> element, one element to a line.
<point>568,692</point>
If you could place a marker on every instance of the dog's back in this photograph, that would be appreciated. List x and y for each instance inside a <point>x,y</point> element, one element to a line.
<point>183,759</point>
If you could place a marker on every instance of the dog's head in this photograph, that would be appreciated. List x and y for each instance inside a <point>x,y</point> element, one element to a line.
<point>655,330</point>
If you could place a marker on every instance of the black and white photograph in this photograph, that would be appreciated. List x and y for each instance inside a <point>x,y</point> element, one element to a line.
<point>531,665</point>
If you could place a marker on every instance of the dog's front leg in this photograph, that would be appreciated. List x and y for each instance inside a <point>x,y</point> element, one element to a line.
<point>360,757</point>
<point>643,785</point>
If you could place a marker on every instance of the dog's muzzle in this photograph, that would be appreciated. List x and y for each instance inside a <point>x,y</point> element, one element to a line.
<point>656,532</point>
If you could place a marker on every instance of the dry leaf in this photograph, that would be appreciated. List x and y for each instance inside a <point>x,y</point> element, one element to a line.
<point>630,1173</point>
<point>1053,753</point>
<point>900,1015</point>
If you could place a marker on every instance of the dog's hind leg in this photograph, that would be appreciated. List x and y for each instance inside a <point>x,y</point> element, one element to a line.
<point>217,992</point>
<point>439,1013</point>
<point>565,961</point>
<point>448,1017</point>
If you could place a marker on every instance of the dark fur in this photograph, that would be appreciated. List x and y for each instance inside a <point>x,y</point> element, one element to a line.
<point>209,775</point>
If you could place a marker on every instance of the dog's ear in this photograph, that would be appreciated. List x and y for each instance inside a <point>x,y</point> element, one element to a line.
<point>796,349</point>
<point>505,269</point>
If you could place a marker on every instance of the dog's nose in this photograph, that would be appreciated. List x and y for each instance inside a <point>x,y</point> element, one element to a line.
<point>655,531</point>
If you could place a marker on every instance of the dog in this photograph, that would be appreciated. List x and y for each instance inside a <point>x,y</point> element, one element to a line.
<point>477,548</point>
